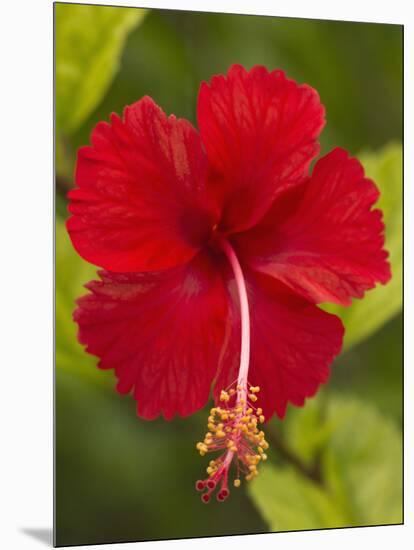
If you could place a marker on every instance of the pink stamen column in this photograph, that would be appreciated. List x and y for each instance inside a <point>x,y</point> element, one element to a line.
<point>244,320</point>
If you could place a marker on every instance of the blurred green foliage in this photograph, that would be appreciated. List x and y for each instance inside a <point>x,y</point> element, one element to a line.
<point>121,478</point>
<point>360,457</point>
<point>88,45</point>
<point>72,274</point>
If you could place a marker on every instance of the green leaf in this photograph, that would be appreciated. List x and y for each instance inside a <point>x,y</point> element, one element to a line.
<point>307,429</point>
<point>360,457</point>
<point>89,42</point>
<point>289,502</point>
<point>363,463</point>
<point>71,274</point>
<point>379,305</point>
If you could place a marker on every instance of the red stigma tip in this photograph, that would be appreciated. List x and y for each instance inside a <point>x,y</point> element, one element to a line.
<point>205,498</point>
<point>211,484</point>
<point>200,485</point>
<point>222,495</point>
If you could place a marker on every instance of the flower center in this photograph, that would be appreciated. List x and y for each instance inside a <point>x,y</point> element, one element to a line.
<point>233,426</point>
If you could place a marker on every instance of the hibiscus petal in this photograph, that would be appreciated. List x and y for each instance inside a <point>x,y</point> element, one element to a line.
<point>161,332</point>
<point>323,240</point>
<point>292,344</point>
<point>259,130</point>
<point>141,203</point>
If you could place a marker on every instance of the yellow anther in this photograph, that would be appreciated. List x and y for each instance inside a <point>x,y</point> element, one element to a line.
<point>234,429</point>
<point>224,396</point>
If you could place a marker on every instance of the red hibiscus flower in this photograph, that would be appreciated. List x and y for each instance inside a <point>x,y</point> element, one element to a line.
<point>216,247</point>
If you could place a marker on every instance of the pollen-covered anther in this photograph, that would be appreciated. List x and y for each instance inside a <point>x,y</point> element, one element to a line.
<point>233,433</point>
<point>224,396</point>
